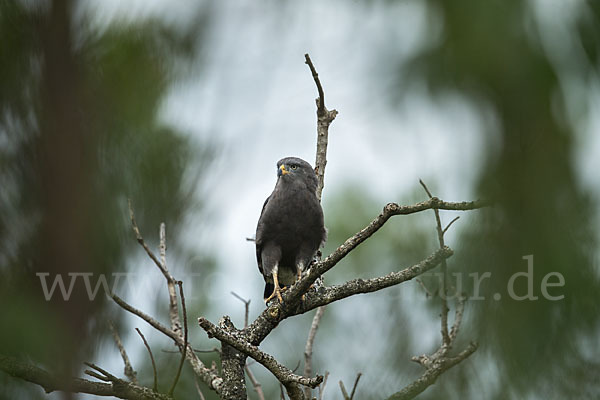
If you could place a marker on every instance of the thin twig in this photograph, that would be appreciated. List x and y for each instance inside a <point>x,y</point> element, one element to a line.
<point>154,323</point>
<point>107,375</point>
<point>255,383</point>
<point>427,292</point>
<point>344,393</point>
<point>308,350</point>
<point>246,306</point>
<point>198,388</point>
<point>321,101</point>
<point>185,339</point>
<point>450,224</point>
<point>281,391</point>
<point>355,385</point>
<point>213,350</point>
<point>171,282</point>
<point>140,239</point>
<point>162,266</point>
<point>201,351</point>
<point>155,380</point>
<point>322,386</point>
<point>444,284</point>
<point>128,369</point>
<point>96,375</point>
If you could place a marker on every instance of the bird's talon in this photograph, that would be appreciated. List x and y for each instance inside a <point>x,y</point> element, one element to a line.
<point>276,292</point>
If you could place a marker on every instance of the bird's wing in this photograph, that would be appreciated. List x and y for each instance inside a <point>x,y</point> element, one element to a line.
<point>258,239</point>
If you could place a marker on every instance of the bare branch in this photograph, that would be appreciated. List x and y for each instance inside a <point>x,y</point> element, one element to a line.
<point>321,99</point>
<point>308,350</point>
<point>322,386</point>
<point>140,239</point>
<point>324,119</point>
<point>431,374</point>
<point>444,284</point>
<point>154,323</point>
<point>246,306</point>
<point>450,224</point>
<point>198,389</point>
<point>343,388</point>
<point>185,339</point>
<point>128,369</point>
<point>355,385</point>
<point>282,373</point>
<point>105,374</point>
<point>460,307</point>
<point>155,374</point>
<point>162,266</point>
<point>428,293</point>
<point>344,392</point>
<point>255,383</point>
<point>96,375</point>
<point>171,282</point>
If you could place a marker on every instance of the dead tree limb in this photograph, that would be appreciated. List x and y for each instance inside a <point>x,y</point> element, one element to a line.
<point>111,386</point>
<point>128,369</point>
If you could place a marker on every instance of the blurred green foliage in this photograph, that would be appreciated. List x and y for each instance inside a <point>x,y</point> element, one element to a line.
<point>492,53</point>
<point>79,135</point>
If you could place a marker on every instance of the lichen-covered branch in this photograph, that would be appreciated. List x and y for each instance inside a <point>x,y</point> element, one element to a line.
<point>330,294</point>
<point>282,373</point>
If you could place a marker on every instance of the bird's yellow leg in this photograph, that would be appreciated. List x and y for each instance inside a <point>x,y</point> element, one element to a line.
<point>276,291</point>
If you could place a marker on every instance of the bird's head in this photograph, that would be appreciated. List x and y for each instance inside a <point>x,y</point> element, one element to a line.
<point>295,169</point>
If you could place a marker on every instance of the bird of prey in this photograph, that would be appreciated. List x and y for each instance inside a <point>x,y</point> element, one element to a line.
<point>290,228</point>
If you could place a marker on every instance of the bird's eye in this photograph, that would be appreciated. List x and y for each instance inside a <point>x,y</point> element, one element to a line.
<point>293,166</point>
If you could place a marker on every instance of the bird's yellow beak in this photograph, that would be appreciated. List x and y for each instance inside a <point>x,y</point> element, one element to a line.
<point>282,170</point>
